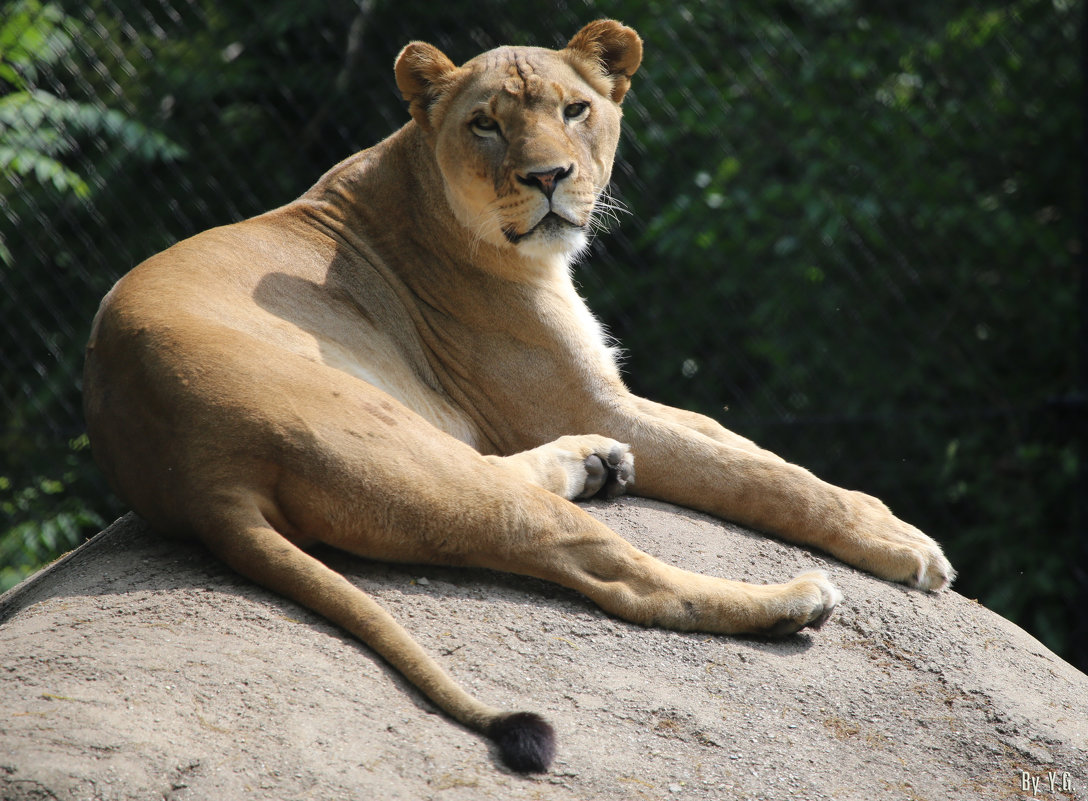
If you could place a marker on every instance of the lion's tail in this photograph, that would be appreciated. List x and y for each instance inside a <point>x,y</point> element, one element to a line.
<point>526,741</point>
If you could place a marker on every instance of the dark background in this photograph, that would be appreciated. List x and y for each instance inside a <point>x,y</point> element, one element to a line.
<point>855,232</point>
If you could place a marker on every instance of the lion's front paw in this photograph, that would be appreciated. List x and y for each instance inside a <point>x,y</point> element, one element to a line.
<point>900,552</point>
<point>595,466</point>
<point>934,571</point>
<point>608,474</point>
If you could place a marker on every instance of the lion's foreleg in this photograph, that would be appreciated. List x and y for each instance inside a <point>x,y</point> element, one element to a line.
<point>679,464</point>
<point>702,424</point>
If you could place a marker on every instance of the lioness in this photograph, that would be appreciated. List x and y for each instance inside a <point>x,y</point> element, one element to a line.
<point>397,364</point>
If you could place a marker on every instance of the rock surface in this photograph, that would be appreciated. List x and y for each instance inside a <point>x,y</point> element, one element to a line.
<point>138,668</point>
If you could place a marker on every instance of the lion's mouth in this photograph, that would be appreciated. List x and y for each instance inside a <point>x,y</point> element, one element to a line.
<point>550,223</point>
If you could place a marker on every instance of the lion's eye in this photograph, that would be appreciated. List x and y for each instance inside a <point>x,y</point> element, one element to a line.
<point>485,126</point>
<point>575,111</point>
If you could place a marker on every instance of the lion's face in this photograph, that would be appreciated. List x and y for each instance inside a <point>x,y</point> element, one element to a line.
<point>524,137</point>
<point>525,146</point>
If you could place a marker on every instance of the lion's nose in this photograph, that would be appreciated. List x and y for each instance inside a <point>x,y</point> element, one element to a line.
<point>546,180</point>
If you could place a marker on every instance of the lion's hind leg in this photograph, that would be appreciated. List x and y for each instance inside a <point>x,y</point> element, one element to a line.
<point>633,585</point>
<point>245,540</point>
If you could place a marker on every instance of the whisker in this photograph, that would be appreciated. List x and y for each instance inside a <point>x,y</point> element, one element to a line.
<point>613,202</point>
<point>488,220</point>
<point>606,211</point>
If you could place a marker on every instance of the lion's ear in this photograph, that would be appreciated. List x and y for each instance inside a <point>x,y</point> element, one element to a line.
<point>616,48</point>
<point>421,71</point>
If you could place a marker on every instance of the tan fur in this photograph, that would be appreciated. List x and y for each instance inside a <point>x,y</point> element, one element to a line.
<point>397,364</point>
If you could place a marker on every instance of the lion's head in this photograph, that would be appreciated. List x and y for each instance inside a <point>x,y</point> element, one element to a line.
<point>524,137</point>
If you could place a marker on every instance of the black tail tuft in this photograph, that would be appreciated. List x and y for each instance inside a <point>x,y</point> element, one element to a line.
<point>526,741</point>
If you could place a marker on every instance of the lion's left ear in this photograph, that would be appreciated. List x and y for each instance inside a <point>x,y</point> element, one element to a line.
<point>616,48</point>
<point>422,71</point>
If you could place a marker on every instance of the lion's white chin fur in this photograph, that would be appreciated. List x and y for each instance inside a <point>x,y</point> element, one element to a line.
<point>544,240</point>
<point>567,243</point>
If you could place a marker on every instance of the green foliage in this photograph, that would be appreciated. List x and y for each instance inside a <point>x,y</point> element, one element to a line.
<point>32,36</point>
<point>51,519</point>
<point>50,497</point>
<point>37,128</point>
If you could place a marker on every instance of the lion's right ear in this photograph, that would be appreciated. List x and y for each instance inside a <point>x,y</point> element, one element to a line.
<point>614,48</point>
<point>422,70</point>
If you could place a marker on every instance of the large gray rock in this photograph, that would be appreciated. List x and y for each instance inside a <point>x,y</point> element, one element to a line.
<point>138,668</point>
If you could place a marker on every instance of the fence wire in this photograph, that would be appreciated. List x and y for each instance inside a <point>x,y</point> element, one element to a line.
<point>853,230</point>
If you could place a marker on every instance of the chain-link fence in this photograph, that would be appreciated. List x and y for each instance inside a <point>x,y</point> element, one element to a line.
<point>854,224</point>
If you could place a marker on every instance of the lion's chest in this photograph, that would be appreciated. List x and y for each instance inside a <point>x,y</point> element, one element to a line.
<point>529,372</point>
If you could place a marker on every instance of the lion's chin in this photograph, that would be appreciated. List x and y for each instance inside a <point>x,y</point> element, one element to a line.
<point>552,236</point>
<point>550,227</point>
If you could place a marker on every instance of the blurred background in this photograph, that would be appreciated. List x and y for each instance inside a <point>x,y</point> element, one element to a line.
<point>855,232</point>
